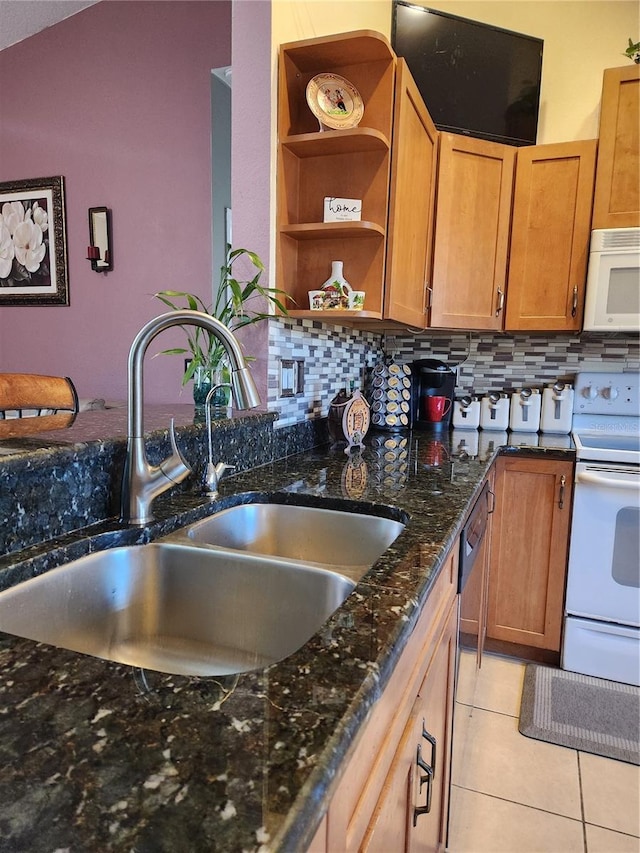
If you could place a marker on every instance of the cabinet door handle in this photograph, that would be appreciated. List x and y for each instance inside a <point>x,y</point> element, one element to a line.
<point>563,483</point>
<point>500,304</point>
<point>427,736</point>
<point>429,290</point>
<point>492,504</point>
<point>427,776</point>
<point>574,304</point>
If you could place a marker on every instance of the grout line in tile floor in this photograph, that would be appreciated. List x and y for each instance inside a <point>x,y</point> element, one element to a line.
<point>489,711</point>
<point>584,821</point>
<point>533,808</point>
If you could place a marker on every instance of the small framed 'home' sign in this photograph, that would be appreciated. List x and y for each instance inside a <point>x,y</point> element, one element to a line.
<point>342,209</point>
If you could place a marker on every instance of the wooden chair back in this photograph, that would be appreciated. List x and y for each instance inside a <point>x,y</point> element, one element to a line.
<point>31,403</point>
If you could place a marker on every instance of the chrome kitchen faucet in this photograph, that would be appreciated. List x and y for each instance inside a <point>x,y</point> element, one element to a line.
<point>143,482</point>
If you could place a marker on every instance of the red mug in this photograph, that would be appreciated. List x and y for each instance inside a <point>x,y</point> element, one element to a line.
<point>435,408</point>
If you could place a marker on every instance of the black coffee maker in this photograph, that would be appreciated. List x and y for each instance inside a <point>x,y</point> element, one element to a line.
<point>432,394</point>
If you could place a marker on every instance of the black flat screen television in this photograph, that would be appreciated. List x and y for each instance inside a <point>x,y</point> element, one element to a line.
<point>475,79</point>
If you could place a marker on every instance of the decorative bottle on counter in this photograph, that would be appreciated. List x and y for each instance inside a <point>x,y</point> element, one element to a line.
<point>336,288</point>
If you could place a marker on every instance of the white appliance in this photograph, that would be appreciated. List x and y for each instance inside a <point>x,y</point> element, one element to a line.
<point>524,412</point>
<point>466,413</point>
<point>602,621</point>
<point>494,411</point>
<point>557,408</point>
<point>612,302</point>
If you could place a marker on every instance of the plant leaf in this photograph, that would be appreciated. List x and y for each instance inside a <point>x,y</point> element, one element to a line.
<point>229,307</point>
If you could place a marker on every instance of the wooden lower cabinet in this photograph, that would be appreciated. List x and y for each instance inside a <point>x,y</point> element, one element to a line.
<point>529,551</point>
<point>383,787</point>
<point>412,812</point>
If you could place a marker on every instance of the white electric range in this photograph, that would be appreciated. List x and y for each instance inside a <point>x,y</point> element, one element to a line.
<point>602,621</point>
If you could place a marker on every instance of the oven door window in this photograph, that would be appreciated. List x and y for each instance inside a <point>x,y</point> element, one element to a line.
<point>604,554</point>
<point>626,547</point>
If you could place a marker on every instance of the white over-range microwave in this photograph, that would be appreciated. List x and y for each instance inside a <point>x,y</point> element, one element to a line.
<point>612,302</point>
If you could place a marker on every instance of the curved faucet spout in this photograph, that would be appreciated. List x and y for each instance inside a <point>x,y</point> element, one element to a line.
<point>143,482</point>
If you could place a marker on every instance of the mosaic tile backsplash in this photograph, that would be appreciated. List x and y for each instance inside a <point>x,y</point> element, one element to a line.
<point>333,356</point>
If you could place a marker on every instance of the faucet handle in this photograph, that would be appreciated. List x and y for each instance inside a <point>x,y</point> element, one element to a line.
<point>172,438</point>
<point>175,467</point>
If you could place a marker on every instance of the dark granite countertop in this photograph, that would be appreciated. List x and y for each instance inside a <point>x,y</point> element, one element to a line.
<point>99,756</point>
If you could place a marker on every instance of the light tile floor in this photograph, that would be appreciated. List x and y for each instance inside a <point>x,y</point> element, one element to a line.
<point>513,794</point>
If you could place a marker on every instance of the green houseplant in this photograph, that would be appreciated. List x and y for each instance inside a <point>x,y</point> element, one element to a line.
<point>633,51</point>
<point>206,354</point>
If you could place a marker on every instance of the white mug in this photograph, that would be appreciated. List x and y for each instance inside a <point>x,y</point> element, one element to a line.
<point>316,300</point>
<point>356,300</point>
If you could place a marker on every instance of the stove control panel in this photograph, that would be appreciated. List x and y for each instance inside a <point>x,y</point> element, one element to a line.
<point>607,394</point>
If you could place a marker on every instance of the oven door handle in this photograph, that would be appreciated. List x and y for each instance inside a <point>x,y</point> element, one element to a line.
<point>598,480</point>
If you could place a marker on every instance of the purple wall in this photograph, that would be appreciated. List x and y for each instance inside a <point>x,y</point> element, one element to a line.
<point>116,99</point>
<point>251,159</point>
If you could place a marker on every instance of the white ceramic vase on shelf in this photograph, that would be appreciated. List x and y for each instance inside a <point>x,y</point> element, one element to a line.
<point>337,287</point>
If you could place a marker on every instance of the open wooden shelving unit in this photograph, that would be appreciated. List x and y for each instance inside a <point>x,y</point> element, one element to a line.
<point>350,163</point>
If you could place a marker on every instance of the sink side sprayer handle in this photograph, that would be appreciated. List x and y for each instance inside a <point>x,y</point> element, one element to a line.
<point>142,482</point>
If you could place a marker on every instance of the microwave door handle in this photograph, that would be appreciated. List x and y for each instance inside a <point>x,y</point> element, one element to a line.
<point>597,480</point>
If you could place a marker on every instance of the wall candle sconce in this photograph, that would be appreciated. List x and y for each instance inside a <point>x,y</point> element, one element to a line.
<point>99,251</point>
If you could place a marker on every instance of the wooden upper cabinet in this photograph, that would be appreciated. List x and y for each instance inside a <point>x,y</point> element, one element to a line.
<point>550,232</point>
<point>411,206</point>
<point>388,161</point>
<point>617,193</point>
<point>473,212</point>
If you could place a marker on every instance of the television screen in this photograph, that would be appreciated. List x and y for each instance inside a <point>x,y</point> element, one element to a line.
<point>475,79</point>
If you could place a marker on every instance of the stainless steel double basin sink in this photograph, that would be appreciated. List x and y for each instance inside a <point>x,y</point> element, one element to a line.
<point>236,591</point>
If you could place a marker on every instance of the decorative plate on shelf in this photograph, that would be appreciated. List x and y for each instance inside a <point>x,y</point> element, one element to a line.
<point>334,101</point>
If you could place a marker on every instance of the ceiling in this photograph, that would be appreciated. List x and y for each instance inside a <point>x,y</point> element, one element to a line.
<point>20,19</point>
